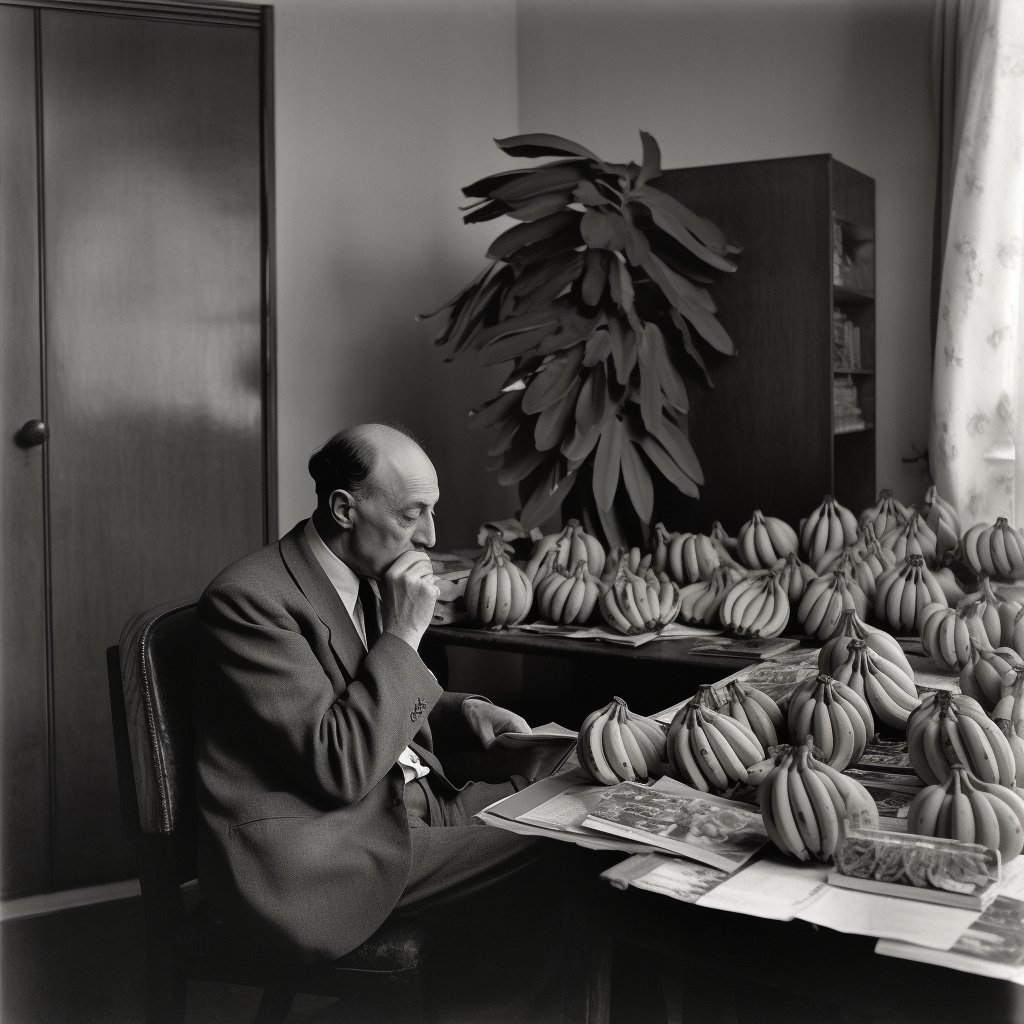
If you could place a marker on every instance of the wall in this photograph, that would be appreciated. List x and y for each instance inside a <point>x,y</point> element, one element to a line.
<point>718,81</point>
<point>384,108</point>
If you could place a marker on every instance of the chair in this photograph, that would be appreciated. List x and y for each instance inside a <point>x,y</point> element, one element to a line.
<point>150,674</point>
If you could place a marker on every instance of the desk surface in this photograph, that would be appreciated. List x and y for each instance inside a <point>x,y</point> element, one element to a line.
<point>663,652</point>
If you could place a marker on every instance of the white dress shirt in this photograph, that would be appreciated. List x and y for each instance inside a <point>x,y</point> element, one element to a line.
<point>346,583</point>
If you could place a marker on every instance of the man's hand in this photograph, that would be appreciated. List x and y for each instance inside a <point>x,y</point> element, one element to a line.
<point>488,721</point>
<point>407,596</point>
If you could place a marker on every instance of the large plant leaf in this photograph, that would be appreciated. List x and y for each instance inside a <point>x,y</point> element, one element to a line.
<point>598,348</point>
<point>623,349</point>
<point>612,526</point>
<point>593,402</point>
<point>675,285</point>
<point>551,488</point>
<point>521,466</point>
<point>651,164</point>
<point>638,482</point>
<point>474,311</point>
<point>495,410</point>
<point>667,466</point>
<point>514,345</point>
<point>484,187</point>
<point>541,144</point>
<point>548,316</point>
<point>677,444</point>
<point>522,235</point>
<point>554,284</point>
<point>604,230</point>
<point>539,206</point>
<point>650,383</point>
<point>559,177</point>
<point>557,420</point>
<point>689,229</point>
<point>505,437</point>
<point>587,193</point>
<point>553,380</point>
<point>690,349</point>
<point>487,211</point>
<point>673,387</point>
<point>577,448</point>
<point>563,241</point>
<point>572,328</point>
<point>607,462</point>
<point>595,277</point>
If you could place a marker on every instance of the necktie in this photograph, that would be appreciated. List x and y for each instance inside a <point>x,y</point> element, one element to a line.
<point>368,603</point>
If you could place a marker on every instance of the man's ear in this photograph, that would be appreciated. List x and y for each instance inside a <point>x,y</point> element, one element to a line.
<point>342,506</point>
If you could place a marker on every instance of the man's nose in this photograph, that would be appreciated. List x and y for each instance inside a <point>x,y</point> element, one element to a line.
<point>425,532</point>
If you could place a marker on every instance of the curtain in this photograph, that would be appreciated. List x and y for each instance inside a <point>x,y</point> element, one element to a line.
<point>977,425</point>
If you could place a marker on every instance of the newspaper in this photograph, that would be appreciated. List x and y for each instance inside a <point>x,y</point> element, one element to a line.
<point>681,820</point>
<point>669,876</point>
<point>673,631</point>
<point>761,648</point>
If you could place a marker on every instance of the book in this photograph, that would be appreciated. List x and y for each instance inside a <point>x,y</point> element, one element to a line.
<point>673,817</point>
<point>972,901</point>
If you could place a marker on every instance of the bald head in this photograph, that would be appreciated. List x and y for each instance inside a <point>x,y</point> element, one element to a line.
<point>350,460</point>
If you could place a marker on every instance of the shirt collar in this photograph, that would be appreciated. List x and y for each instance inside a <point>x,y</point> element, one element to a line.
<point>342,578</point>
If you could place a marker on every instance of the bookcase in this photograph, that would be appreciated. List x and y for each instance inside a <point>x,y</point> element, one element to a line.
<point>791,416</point>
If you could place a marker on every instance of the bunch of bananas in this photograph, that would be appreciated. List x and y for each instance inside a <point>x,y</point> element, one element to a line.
<point>635,603</point>
<point>635,560</point>
<point>996,550</point>
<point>946,579</point>
<point>763,540</point>
<point>568,598</point>
<point>853,627</point>
<point>913,536</point>
<point>902,593</point>
<point>945,636</point>
<point>756,710</point>
<point>844,560</point>
<point>614,745</point>
<point>988,672</point>
<point>1016,745</point>
<point>823,602</point>
<point>952,728</point>
<point>659,552</point>
<point>830,527</point>
<point>710,750</point>
<point>692,557</point>
<point>498,593</point>
<point>807,806</point>
<point>756,606</point>
<point>1011,705</point>
<point>834,716</point>
<point>889,691</point>
<point>981,613</point>
<point>964,809</point>
<point>870,560</point>
<point>722,539</point>
<point>942,517</point>
<point>886,513</point>
<point>794,575</point>
<point>699,602</point>
<point>570,545</point>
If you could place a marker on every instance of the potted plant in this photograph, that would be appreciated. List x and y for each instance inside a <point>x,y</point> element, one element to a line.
<point>597,298</point>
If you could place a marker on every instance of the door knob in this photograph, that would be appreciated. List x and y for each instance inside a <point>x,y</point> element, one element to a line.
<point>31,434</point>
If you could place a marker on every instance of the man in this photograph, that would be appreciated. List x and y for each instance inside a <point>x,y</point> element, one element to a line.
<point>323,803</point>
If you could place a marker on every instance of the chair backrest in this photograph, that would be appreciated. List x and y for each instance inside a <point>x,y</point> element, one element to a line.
<point>152,672</point>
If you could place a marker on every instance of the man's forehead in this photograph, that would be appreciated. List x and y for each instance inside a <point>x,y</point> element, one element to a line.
<point>407,475</point>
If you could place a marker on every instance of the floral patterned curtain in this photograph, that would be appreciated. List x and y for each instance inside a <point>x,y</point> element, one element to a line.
<point>978,379</point>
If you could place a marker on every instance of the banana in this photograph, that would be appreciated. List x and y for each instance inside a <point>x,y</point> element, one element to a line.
<point>488,599</point>
<point>760,723</point>
<point>706,759</point>
<point>961,816</point>
<point>613,615</point>
<point>726,756</point>
<point>844,738</point>
<point>802,810</point>
<point>646,749</point>
<point>981,758</point>
<point>503,595</point>
<point>615,749</point>
<point>590,747</point>
<point>824,809</point>
<point>741,739</point>
<point>785,820</point>
<point>821,726</point>
<point>923,813</point>
<point>969,546</point>
<point>987,830</point>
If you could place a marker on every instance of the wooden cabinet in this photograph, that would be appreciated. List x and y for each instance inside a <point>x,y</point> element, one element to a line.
<point>136,310</point>
<point>777,431</point>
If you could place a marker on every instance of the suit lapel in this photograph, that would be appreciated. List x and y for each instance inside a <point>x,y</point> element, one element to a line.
<point>313,582</point>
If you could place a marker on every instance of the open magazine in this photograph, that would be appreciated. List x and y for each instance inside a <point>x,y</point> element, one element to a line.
<point>680,820</point>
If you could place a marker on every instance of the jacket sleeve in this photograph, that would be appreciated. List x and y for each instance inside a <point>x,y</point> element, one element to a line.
<point>270,692</point>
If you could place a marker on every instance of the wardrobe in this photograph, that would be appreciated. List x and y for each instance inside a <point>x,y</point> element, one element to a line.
<point>136,375</point>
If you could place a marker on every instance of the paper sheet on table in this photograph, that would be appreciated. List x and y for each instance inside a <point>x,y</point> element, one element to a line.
<point>773,889</point>
<point>551,734</point>
<point>666,875</point>
<point>590,840</point>
<point>888,917</point>
<point>673,631</point>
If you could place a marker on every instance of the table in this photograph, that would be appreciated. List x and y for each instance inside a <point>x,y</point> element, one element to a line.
<point>714,962</point>
<point>585,675</point>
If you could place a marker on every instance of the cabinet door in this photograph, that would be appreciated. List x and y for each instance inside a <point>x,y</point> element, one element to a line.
<point>24,750</point>
<point>154,318</point>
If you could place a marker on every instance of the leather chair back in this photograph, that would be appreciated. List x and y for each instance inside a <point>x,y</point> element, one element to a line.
<point>160,660</point>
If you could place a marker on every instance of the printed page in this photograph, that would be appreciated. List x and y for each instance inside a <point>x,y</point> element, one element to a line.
<point>550,734</point>
<point>669,876</point>
<point>771,888</point>
<point>888,917</point>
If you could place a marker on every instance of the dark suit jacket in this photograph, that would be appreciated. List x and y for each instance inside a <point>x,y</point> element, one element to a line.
<point>304,837</point>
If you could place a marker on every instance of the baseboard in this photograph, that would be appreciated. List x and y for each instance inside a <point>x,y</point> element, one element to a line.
<point>66,899</point>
